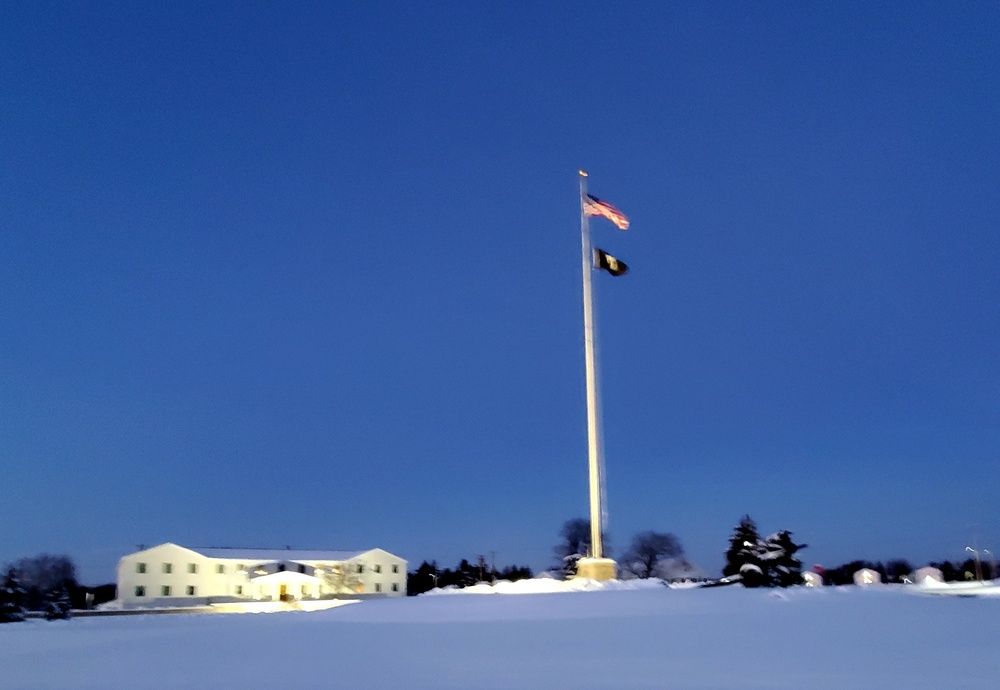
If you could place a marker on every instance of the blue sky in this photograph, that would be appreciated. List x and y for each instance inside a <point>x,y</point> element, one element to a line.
<point>310,275</point>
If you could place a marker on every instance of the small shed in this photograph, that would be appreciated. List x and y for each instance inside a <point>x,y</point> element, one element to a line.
<point>867,576</point>
<point>812,579</point>
<point>928,574</point>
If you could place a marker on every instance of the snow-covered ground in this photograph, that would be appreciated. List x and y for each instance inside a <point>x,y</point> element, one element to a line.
<point>621,636</point>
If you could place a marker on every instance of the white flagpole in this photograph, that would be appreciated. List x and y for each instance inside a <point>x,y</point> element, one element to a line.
<point>596,462</point>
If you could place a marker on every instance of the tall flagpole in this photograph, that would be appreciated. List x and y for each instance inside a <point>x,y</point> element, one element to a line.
<point>595,463</point>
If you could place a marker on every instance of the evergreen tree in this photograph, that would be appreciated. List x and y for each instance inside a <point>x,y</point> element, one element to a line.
<point>781,568</point>
<point>949,572</point>
<point>760,562</point>
<point>424,579</point>
<point>513,573</point>
<point>743,549</point>
<point>466,574</point>
<point>11,598</point>
<point>753,575</point>
<point>896,569</point>
<point>844,574</point>
<point>58,606</point>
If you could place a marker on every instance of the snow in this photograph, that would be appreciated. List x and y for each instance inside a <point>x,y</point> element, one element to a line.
<point>523,635</point>
<point>549,586</point>
<point>960,589</point>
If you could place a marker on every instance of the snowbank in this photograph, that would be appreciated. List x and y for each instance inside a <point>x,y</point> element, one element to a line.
<point>549,586</point>
<point>962,589</point>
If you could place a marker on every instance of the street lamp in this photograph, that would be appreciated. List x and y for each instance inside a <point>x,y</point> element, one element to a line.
<point>979,567</point>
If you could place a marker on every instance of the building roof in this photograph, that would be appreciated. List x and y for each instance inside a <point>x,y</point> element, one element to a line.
<point>261,555</point>
<point>284,576</point>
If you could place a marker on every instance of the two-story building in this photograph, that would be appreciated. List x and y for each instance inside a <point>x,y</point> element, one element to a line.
<point>172,575</point>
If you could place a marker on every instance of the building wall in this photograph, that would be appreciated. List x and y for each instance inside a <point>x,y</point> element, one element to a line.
<point>867,576</point>
<point>382,570</point>
<point>189,577</point>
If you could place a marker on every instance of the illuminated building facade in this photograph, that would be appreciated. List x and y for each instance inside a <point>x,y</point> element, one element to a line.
<point>172,575</point>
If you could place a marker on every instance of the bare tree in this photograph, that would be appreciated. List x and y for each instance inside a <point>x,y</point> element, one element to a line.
<point>42,575</point>
<point>575,544</point>
<point>647,550</point>
<point>342,578</point>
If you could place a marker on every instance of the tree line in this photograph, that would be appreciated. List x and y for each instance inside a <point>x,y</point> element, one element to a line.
<point>46,585</point>
<point>646,557</point>
<point>899,570</point>
<point>751,559</point>
<point>429,576</point>
<point>770,562</point>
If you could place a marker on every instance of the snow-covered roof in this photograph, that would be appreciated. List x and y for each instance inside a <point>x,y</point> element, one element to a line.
<point>284,576</point>
<point>261,555</point>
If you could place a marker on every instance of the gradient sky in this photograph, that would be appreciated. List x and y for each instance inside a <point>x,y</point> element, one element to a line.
<point>309,275</point>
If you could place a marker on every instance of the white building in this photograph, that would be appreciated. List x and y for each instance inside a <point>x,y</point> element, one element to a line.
<point>172,575</point>
<point>811,578</point>
<point>928,573</point>
<point>867,576</point>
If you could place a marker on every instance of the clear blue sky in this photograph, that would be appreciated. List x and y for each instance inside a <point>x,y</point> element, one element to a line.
<point>310,275</point>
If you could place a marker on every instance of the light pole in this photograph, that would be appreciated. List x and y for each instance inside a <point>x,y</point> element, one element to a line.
<point>979,566</point>
<point>993,564</point>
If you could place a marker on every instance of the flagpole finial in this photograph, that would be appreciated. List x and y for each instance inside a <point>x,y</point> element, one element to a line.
<point>583,173</point>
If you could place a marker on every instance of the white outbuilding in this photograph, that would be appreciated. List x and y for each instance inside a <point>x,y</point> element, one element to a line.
<point>928,575</point>
<point>811,578</point>
<point>867,576</point>
<point>172,575</point>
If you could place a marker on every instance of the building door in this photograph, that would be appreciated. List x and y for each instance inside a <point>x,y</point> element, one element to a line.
<point>283,593</point>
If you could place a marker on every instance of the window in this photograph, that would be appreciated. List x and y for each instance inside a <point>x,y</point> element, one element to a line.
<point>190,590</point>
<point>378,587</point>
<point>302,569</point>
<point>361,568</point>
<point>168,568</point>
<point>140,568</point>
<point>239,589</point>
<point>395,568</point>
<point>239,566</point>
<point>395,587</point>
<point>220,569</point>
<point>281,567</point>
<point>140,591</point>
<point>192,568</point>
<point>165,590</point>
<point>377,568</point>
<point>305,590</point>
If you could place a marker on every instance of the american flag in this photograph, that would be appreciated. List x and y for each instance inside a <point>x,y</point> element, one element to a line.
<point>593,206</point>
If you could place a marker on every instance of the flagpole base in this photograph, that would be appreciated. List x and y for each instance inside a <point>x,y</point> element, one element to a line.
<point>600,569</point>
